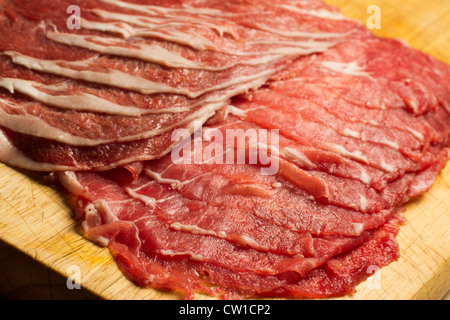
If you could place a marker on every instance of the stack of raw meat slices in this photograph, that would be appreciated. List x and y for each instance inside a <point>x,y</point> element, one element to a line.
<point>359,125</point>
<point>113,91</point>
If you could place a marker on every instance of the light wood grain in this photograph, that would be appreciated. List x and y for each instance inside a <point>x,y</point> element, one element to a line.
<point>39,236</point>
<point>447,296</point>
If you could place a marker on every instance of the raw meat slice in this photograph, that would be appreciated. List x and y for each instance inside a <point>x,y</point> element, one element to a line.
<point>133,74</point>
<point>110,86</point>
<point>238,196</point>
<point>135,246</point>
<point>48,155</point>
<point>322,137</point>
<point>89,129</point>
<point>322,282</point>
<point>394,118</point>
<point>307,110</point>
<point>189,277</point>
<point>138,238</point>
<point>111,213</point>
<point>308,157</point>
<point>378,73</point>
<point>414,141</point>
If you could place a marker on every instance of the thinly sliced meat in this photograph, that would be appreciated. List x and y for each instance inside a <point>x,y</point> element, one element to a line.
<point>227,284</point>
<point>192,196</point>
<point>111,213</point>
<point>294,24</point>
<point>48,155</point>
<point>187,58</point>
<point>400,77</point>
<point>394,118</point>
<point>309,157</point>
<point>142,77</point>
<point>307,110</point>
<point>137,252</point>
<point>54,152</point>
<point>114,95</point>
<point>137,237</point>
<point>91,129</point>
<point>202,165</point>
<point>74,95</point>
<point>196,207</point>
<point>326,281</point>
<point>339,277</point>
<point>69,94</point>
<point>383,155</point>
<point>325,138</point>
<point>149,77</point>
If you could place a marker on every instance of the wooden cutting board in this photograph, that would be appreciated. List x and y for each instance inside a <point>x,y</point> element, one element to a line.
<point>42,248</point>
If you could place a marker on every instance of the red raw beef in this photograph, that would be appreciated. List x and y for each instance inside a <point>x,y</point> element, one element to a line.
<point>114,218</point>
